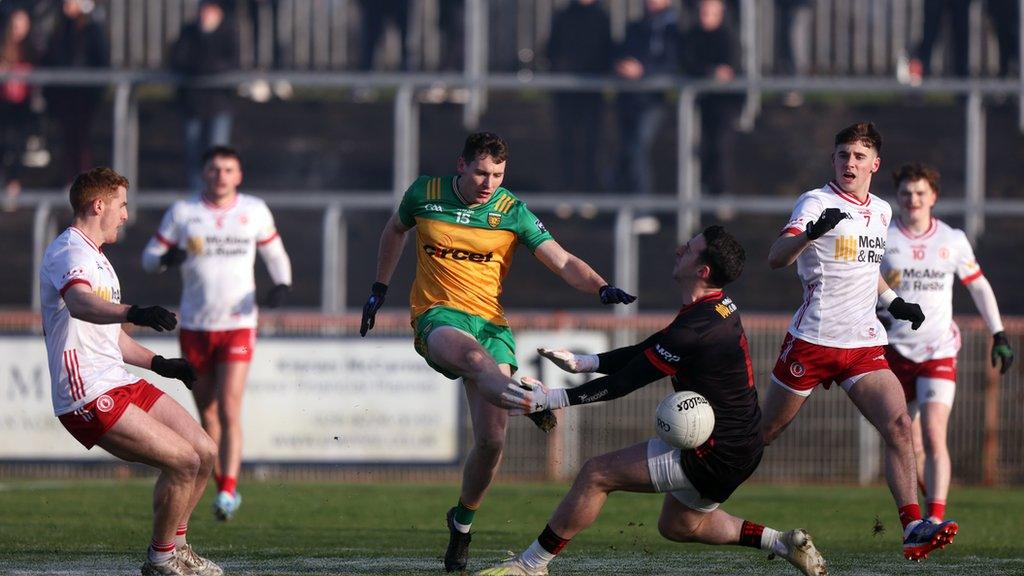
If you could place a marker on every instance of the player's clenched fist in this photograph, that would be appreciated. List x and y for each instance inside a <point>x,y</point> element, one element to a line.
<point>909,311</point>
<point>156,317</point>
<point>178,368</point>
<point>828,220</point>
<point>572,363</point>
<point>373,303</point>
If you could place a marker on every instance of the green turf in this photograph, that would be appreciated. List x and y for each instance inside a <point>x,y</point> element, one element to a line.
<point>103,527</point>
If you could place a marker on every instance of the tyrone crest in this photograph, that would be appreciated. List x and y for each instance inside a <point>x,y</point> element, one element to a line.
<point>493,219</point>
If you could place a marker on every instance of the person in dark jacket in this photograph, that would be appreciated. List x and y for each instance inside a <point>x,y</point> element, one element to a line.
<point>711,49</point>
<point>77,42</point>
<point>580,43</point>
<point>205,47</point>
<point>651,48</point>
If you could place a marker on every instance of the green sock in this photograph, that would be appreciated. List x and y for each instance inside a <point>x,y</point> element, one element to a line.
<point>464,515</point>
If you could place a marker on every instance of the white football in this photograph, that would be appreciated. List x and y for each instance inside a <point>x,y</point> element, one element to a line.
<point>685,420</point>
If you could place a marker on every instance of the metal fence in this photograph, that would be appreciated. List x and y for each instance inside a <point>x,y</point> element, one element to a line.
<point>828,442</point>
<point>857,38</point>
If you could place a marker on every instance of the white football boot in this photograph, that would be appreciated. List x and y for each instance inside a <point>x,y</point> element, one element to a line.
<point>199,565</point>
<point>513,567</point>
<point>800,552</point>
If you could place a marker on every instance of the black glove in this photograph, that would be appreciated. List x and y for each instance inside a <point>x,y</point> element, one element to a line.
<point>545,420</point>
<point>173,257</point>
<point>156,317</point>
<point>611,295</point>
<point>1001,352</point>
<point>828,220</point>
<point>373,303</point>
<point>277,295</point>
<point>903,310</point>
<point>174,368</point>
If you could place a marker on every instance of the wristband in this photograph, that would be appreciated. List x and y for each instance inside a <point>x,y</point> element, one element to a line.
<point>886,298</point>
<point>587,362</point>
<point>557,398</point>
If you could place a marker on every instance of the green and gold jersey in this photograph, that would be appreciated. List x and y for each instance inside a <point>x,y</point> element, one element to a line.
<point>463,253</point>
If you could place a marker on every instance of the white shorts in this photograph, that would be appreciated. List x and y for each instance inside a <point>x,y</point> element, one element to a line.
<point>667,476</point>
<point>938,390</point>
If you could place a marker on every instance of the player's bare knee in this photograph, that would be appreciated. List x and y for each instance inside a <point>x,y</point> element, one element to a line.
<point>185,463</point>
<point>207,450</point>
<point>476,361</point>
<point>899,431</point>
<point>593,475</point>
<point>490,447</point>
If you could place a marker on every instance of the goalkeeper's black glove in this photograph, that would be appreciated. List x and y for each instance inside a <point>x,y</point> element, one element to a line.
<point>828,220</point>
<point>1001,352</point>
<point>277,295</point>
<point>156,317</point>
<point>174,368</point>
<point>611,295</point>
<point>173,257</point>
<point>373,303</point>
<point>903,310</point>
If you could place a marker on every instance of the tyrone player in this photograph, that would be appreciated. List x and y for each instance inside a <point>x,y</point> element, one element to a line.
<point>922,257</point>
<point>704,349</point>
<point>467,229</point>
<point>836,235</point>
<point>96,399</point>
<point>214,237</point>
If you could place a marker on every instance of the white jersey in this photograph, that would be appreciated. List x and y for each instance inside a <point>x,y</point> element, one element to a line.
<point>85,359</point>
<point>219,283</point>
<point>839,271</point>
<point>920,268</point>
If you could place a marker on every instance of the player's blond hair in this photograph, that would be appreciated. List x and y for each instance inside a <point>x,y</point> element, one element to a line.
<point>100,182</point>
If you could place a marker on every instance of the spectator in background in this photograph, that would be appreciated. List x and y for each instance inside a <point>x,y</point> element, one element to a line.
<point>651,47</point>
<point>207,46</point>
<point>920,63</point>
<point>712,50</point>
<point>15,95</point>
<point>1005,16</point>
<point>580,43</point>
<point>793,41</point>
<point>77,42</point>
<point>375,15</point>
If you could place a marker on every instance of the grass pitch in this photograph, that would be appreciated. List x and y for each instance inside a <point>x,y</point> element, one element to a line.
<point>94,527</point>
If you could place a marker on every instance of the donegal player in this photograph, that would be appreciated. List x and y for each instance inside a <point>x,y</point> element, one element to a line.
<point>467,229</point>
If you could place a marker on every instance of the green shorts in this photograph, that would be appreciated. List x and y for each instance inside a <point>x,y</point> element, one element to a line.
<point>497,340</point>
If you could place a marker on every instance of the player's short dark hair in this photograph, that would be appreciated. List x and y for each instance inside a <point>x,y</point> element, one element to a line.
<point>99,182</point>
<point>916,171</point>
<point>862,132</point>
<point>221,152</point>
<point>724,255</point>
<point>485,144</point>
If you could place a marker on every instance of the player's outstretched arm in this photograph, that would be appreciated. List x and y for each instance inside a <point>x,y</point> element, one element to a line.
<point>786,248</point>
<point>578,274</point>
<point>392,242</point>
<point>86,306</point>
<point>138,355</point>
<point>638,373</point>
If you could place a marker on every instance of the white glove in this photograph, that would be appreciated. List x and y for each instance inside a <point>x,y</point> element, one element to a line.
<point>531,395</point>
<point>572,363</point>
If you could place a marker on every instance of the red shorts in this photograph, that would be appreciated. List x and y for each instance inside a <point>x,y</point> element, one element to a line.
<point>909,371</point>
<point>802,366</point>
<point>207,349</point>
<point>90,422</point>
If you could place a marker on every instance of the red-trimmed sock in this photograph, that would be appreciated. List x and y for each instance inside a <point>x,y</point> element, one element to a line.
<point>219,480</point>
<point>909,513</point>
<point>544,549</point>
<point>750,534</point>
<point>937,509</point>
<point>228,484</point>
<point>160,552</point>
<point>179,535</point>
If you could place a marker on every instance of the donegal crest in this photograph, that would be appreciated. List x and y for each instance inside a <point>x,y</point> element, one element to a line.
<point>493,219</point>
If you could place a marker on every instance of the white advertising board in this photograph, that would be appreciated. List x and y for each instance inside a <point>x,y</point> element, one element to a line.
<point>329,400</point>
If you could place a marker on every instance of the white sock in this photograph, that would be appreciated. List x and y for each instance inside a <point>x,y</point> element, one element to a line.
<point>463,528</point>
<point>180,538</point>
<point>536,556</point>
<point>160,553</point>
<point>770,541</point>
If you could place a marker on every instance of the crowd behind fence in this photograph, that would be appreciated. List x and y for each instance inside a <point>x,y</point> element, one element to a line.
<point>829,442</point>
